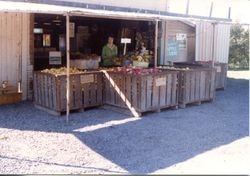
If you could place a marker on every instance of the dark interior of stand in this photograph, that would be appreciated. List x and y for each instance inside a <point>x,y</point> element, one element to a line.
<point>90,35</point>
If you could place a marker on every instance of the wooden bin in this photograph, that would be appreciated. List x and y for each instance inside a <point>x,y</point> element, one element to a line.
<point>196,85</point>
<point>50,91</point>
<point>10,95</point>
<point>141,93</point>
<point>221,75</point>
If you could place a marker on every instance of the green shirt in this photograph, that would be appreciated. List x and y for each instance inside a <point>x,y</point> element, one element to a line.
<point>108,54</point>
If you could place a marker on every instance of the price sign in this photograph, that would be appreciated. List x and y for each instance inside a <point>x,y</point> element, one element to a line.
<point>160,81</point>
<point>87,79</point>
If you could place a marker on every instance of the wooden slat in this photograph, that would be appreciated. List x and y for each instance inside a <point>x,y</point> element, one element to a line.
<point>213,86</point>
<point>149,92</point>
<point>202,85</point>
<point>134,92</point>
<point>128,93</point>
<point>174,89</point>
<point>169,89</point>
<point>99,87</point>
<point>192,86</point>
<point>155,97</point>
<point>162,95</point>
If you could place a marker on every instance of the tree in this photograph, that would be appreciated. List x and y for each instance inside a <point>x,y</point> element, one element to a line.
<point>239,47</point>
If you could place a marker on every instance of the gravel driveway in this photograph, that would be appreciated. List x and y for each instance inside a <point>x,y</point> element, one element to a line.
<point>210,138</point>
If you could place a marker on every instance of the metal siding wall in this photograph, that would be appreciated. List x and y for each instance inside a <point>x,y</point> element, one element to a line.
<point>14,48</point>
<point>222,36</point>
<point>204,42</point>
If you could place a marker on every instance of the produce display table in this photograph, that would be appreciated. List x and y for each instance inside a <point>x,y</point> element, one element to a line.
<point>10,95</point>
<point>50,91</point>
<point>196,84</point>
<point>141,92</point>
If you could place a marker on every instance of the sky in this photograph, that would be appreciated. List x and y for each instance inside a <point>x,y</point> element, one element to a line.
<point>240,9</point>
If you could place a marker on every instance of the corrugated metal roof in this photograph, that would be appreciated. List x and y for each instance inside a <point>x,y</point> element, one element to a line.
<point>62,7</point>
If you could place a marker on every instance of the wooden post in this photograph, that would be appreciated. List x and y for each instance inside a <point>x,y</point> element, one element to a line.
<point>211,9</point>
<point>156,43</point>
<point>68,67</point>
<point>187,7</point>
<point>229,13</point>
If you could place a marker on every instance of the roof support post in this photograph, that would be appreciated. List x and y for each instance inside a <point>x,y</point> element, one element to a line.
<point>213,45</point>
<point>68,67</point>
<point>156,43</point>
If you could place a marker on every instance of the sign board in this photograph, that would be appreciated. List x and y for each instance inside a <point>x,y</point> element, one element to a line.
<point>182,40</point>
<point>181,36</point>
<point>55,58</point>
<point>160,81</point>
<point>71,30</point>
<point>125,40</point>
<point>87,79</point>
<point>173,49</point>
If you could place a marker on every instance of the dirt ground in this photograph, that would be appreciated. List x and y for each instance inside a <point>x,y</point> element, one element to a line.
<point>212,138</point>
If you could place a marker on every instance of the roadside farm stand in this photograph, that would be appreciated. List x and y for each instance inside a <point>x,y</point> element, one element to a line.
<point>52,34</point>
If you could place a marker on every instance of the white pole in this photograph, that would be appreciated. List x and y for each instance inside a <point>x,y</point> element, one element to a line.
<point>156,43</point>
<point>213,44</point>
<point>124,49</point>
<point>68,67</point>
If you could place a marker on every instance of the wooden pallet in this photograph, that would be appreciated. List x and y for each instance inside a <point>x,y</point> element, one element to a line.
<point>141,93</point>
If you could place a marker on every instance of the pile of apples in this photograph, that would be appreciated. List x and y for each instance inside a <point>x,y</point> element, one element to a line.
<point>61,71</point>
<point>136,70</point>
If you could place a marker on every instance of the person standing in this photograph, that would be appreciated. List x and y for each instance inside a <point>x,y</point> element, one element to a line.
<point>109,51</point>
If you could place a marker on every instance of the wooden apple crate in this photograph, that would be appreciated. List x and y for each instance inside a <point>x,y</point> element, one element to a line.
<point>10,95</point>
<point>141,93</point>
<point>196,85</point>
<point>221,73</point>
<point>50,91</point>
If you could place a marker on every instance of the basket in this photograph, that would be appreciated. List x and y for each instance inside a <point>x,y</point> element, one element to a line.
<point>140,64</point>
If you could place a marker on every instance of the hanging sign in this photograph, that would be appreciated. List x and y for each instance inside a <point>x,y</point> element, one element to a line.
<point>125,40</point>
<point>160,81</point>
<point>55,58</point>
<point>181,36</point>
<point>87,79</point>
<point>182,40</point>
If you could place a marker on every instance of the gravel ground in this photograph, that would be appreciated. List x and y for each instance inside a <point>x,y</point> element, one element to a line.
<point>210,138</point>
